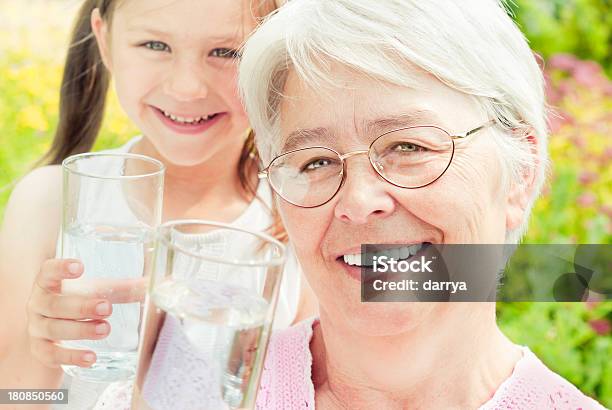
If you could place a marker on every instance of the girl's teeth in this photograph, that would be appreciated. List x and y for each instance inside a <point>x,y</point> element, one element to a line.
<point>186,120</point>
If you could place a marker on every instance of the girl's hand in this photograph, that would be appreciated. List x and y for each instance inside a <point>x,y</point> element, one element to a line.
<point>53,317</point>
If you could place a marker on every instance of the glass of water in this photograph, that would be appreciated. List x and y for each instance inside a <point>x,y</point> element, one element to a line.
<point>112,204</point>
<point>215,285</point>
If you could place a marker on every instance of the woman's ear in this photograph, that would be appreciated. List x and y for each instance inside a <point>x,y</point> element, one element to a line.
<point>100,30</point>
<point>522,190</point>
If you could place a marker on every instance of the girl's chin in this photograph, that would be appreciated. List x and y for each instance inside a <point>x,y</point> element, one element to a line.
<point>178,151</point>
<point>185,161</point>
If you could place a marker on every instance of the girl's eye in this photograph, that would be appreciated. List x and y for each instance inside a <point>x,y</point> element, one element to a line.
<point>225,53</point>
<point>156,46</point>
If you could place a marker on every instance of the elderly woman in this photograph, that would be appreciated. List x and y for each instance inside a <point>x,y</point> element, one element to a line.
<point>398,122</point>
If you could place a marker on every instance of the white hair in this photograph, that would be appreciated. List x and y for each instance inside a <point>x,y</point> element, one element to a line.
<point>471,46</point>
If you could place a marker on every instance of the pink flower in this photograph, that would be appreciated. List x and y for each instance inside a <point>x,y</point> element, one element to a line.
<point>564,87</point>
<point>587,177</point>
<point>588,73</point>
<point>579,141</point>
<point>587,199</point>
<point>600,326</point>
<point>555,123</point>
<point>553,96</point>
<point>563,61</point>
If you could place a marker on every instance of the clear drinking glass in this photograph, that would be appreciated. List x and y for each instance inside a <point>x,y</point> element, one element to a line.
<point>112,204</point>
<point>217,286</point>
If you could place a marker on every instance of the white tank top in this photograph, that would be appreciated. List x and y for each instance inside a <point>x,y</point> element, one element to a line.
<point>177,376</point>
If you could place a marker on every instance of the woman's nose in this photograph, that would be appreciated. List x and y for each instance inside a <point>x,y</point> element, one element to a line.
<point>187,81</point>
<point>364,196</point>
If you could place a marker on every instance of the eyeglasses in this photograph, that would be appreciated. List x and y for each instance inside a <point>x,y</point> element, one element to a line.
<point>410,157</point>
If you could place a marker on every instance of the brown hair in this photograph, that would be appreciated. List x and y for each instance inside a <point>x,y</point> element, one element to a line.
<point>84,87</point>
<point>250,158</point>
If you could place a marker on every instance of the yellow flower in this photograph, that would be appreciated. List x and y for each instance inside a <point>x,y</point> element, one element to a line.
<point>32,117</point>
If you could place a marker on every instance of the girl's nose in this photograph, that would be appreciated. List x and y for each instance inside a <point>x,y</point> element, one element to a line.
<point>187,81</point>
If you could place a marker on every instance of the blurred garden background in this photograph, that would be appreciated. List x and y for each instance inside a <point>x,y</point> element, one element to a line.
<point>574,39</point>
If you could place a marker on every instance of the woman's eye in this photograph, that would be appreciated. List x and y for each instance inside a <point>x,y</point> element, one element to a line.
<point>225,53</point>
<point>156,46</point>
<point>406,147</point>
<point>316,164</point>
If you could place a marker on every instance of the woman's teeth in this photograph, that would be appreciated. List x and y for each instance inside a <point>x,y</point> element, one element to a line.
<point>187,120</point>
<point>401,252</point>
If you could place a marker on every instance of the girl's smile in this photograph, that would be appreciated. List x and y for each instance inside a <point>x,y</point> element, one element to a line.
<point>188,124</point>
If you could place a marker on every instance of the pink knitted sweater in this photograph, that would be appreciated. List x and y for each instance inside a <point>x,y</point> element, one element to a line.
<point>286,380</point>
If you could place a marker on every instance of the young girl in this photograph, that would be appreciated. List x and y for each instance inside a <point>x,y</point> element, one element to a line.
<point>174,68</point>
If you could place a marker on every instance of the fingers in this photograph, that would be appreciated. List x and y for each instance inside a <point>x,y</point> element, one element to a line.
<point>123,290</point>
<point>127,290</point>
<point>53,271</point>
<point>41,327</point>
<point>56,314</point>
<point>53,355</point>
<point>76,307</point>
<point>53,316</point>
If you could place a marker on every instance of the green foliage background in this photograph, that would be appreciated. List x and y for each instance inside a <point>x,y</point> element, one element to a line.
<point>571,338</point>
<point>579,27</point>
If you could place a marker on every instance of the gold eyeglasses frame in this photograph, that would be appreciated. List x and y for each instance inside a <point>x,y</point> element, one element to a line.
<point>378,167</point>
